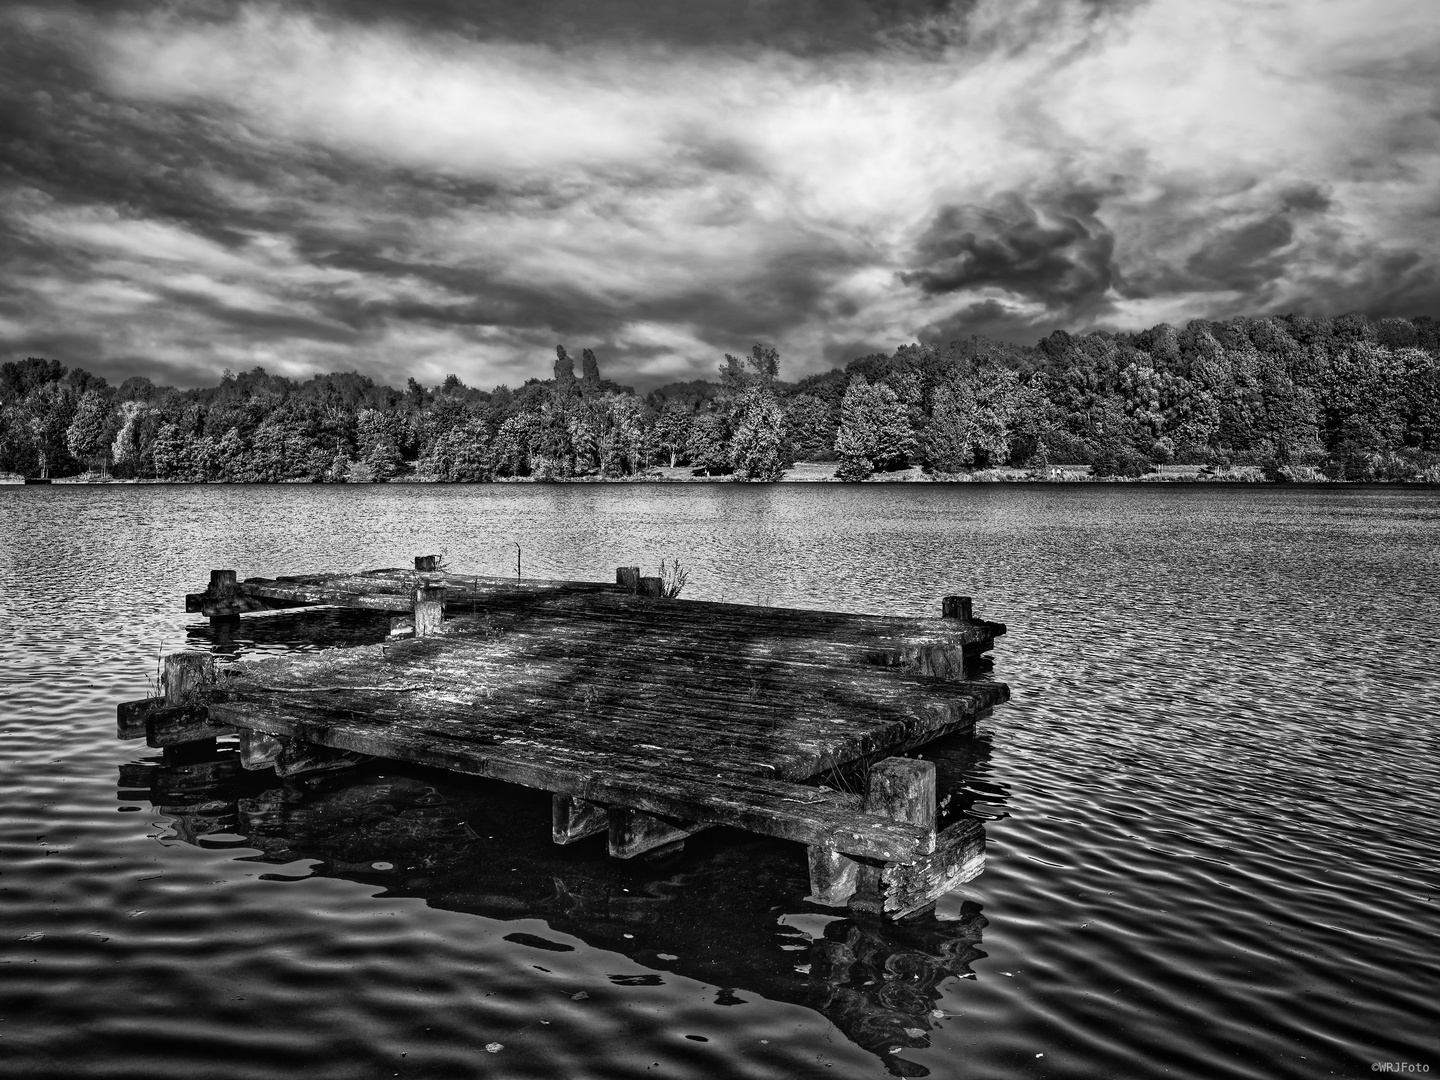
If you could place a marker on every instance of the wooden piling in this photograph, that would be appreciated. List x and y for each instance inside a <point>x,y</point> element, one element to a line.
<point>628,578</point>
<point>832,877</point>
<point>957,607</point>
<point>903,789</point>
<point>259,749</point>
<point>429,610</point>
<point>574,818</point>
<point>183,716</point>
<point>634,832</point>
<point>427,563</point>
<point>185,677</point>
<point>223,588</point>
<point>652,587</point>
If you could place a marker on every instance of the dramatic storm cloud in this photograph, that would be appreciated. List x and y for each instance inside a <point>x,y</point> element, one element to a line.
<point>449,186</point>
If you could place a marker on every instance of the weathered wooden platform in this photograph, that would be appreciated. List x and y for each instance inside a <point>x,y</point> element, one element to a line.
<point>646,717</point>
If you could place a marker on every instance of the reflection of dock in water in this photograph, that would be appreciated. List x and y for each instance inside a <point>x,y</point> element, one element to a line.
<point>715,914</point>
<point>643,716</point>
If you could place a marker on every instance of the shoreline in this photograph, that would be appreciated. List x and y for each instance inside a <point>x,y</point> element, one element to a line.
<point>813,473</point>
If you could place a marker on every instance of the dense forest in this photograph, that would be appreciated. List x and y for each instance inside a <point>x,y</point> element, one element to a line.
<point>1349,397</point>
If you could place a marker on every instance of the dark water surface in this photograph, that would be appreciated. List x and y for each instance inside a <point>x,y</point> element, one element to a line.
<point>1212,802</point>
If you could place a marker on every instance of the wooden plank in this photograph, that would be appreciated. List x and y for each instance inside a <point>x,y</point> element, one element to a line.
<point>132,716</point>
<point>177,725</point>
<point>237,605</point>
<point>936,659</point>
<point>769,807</point>
<point>808,727</point>
<point>800,622</point>
<point>959,857</point>
<point>305,595</point>
<point>368,589</point>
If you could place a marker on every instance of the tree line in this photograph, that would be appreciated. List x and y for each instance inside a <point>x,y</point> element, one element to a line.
<point>1349,397</point>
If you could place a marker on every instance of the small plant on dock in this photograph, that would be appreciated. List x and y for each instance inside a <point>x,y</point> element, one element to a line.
<point>673,577</point>
<point>157,681</point>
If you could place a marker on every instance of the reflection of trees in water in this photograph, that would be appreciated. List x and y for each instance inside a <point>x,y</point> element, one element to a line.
<point>715,913</point>
<point>880,983</point>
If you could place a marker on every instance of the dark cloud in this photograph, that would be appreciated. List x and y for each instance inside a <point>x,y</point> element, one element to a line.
<point>804,27</point>
<point>1247,257</point>
<point>1058,253</point>
<point>993,319</point>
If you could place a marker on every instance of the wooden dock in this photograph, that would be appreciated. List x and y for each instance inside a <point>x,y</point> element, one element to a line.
<point>647,718</point>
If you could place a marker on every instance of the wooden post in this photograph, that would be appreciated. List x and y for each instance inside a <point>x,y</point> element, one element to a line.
<point>652,587</point>
<point>902,788</point>
<point>185,676</point>
<point>186,679</point>
<point>832,877</point>
<point>427,563</point>
<point>628,578</point>
<point>259,749</point>
<point>429,609</point>
<point>574,818</point>
<point>957,607</point>
<point>633,832</point>
<point>223,587</point>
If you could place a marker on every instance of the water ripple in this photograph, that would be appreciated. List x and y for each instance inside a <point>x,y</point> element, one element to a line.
<point>1209,807</point>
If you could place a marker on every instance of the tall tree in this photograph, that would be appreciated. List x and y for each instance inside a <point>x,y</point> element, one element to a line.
<point>707,446</point>
<point>589,372</point>
<point>810,425</point>
<point>753,414</point>
<point>672,427</point>
<point>49,409</point>
<point>874,432</point>
<point>86,437</point>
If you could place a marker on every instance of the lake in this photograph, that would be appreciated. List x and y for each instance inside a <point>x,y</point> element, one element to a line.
<point>1211,805</point>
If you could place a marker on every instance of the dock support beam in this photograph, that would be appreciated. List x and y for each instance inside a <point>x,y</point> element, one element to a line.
<point>573,818</point>
<point>832,877</point>
<point>427,563</point>
<point>633,832</point>
<point>429,610</point>
<point>628,578</point>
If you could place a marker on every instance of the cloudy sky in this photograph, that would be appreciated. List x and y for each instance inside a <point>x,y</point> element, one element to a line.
<point>442,186</point>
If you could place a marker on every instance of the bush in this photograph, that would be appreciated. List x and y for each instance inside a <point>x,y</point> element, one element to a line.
<point>1120,460</point>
